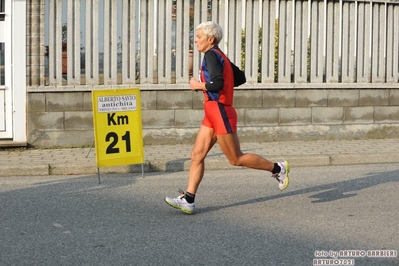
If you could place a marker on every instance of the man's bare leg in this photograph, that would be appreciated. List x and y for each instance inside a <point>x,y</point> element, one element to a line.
<point>230,145</point>
<point>204,142</point>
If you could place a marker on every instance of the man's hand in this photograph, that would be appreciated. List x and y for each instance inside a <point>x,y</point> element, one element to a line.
<point>195,85</point>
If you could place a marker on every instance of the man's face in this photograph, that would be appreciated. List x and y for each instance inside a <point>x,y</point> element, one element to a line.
<point>203,42</point>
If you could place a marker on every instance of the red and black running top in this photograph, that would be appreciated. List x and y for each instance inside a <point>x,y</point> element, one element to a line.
<point>217,73</point>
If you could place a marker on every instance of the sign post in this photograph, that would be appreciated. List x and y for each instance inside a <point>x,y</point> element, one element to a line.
<point>117,127</point>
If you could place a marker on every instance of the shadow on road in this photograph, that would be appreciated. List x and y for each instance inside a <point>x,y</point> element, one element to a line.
<point>328,192</point>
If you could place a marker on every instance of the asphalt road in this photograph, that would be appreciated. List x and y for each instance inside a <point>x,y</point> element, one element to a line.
<point>241,219</point>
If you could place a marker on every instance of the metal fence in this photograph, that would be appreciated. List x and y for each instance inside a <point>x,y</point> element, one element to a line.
<point>125,42</point>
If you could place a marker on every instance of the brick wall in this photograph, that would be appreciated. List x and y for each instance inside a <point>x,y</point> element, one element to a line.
<point>62,116</point>
<point>65,118</point>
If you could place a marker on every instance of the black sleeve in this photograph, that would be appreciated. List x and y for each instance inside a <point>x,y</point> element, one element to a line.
<point>215,70</point>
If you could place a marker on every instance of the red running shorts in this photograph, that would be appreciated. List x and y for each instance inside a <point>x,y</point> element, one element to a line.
<point>222,118</point>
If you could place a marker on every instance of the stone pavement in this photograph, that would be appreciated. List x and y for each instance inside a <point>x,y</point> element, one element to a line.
<point>35,162</point>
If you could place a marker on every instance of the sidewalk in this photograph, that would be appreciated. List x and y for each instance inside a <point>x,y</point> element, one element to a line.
<point>177,157</point>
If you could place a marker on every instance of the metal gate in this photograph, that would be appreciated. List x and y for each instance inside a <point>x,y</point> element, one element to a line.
<point>12,72</point>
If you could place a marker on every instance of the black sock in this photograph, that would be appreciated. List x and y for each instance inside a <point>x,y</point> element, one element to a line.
<point>189,197</point>
<point>276,168</point>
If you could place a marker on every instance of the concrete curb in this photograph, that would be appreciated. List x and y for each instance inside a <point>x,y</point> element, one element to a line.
<point>25,170</point>
<point>344,159</point>
<point>211,163</point>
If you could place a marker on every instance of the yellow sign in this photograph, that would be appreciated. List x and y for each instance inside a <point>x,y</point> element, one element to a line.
<point>117,127</point>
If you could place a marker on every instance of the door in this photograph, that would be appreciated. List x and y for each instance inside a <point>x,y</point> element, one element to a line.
<point>5,71</point>
<point>13,72</point>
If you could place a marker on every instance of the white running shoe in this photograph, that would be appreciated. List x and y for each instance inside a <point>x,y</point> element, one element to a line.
<point>282,177</point>
<point>181,203</point>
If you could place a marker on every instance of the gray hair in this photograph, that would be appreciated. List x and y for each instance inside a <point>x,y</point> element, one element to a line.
<point>211,29</point>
